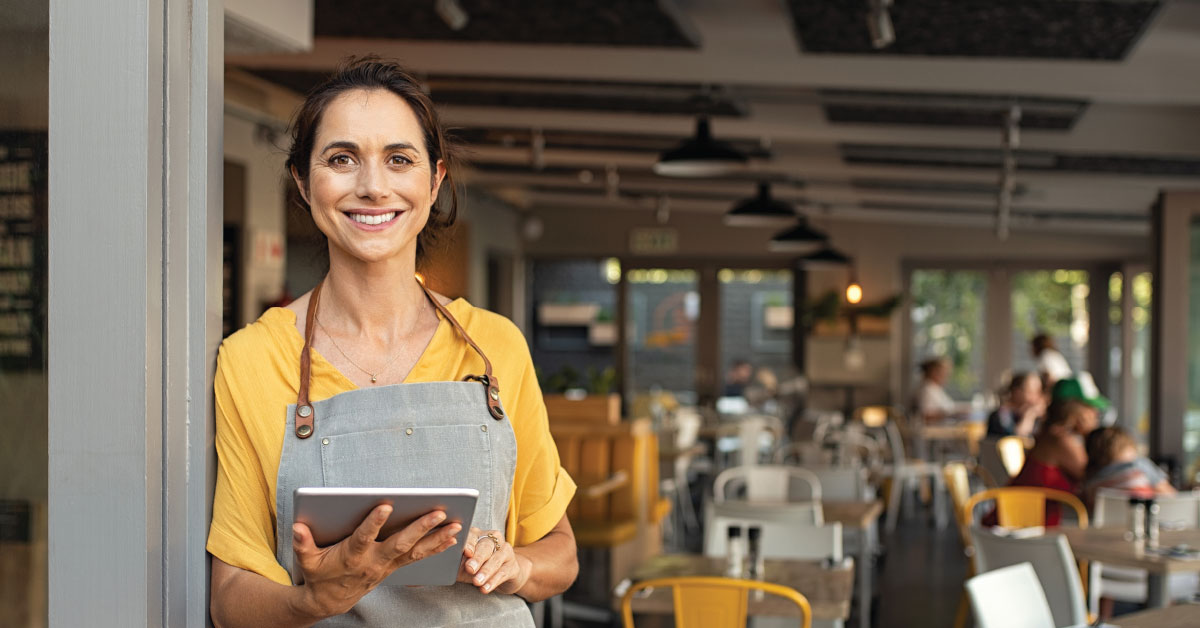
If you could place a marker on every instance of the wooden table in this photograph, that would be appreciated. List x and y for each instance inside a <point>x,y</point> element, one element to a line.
<point>969,432</point>
<point>1182,616</point>
<point>828,590</point>
<point>863,517</point>
<point>1108,545</point>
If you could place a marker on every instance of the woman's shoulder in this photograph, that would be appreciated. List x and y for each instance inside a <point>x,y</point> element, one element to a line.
<point>486,327</point>
<point>267,337</point>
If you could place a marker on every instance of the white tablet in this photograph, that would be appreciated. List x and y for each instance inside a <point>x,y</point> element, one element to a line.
<point>334,513</point>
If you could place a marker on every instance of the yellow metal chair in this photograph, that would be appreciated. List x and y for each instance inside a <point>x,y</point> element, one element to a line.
<point>1025,507</point>
<point>1012,454</point>
<point>958,483</point>
<point>709,602</point>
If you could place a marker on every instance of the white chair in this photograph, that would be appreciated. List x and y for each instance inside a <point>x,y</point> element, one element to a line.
<point>1010,597</point>
<point>1052,560</point>
<point>684,430</point>
<point>779,539</point>
<point>843,484</point>
<point>796,513</point>
<point>1125,584</point>
<point>768,483</point>
<point>904,471</point>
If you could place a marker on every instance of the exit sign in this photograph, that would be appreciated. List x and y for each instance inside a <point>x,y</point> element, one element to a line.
<point>653,241</point>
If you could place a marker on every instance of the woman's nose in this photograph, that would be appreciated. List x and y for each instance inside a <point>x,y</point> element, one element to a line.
<point>372,181</point>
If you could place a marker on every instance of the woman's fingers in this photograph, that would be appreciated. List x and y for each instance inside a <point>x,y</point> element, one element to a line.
<point>365,534</point>
<point>469,548</point>
<point>401,544</point>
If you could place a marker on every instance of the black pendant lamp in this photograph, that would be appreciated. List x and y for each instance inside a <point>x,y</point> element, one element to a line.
<point>827,257</point>
<point>798,239</point>
<point>760,211</point>
<point>699,156</point>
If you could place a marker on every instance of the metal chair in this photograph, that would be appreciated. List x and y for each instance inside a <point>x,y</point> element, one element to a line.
<point>767,483</point>
<point>1051,559</point>
<point>707,602</point>
<point>1024,506</point>
<point>1125,584</point>
<point>887,423</point>
<point>993,594</point>
<point>780,539</point>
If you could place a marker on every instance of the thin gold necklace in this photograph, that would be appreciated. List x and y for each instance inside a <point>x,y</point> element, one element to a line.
<point>374,376</point>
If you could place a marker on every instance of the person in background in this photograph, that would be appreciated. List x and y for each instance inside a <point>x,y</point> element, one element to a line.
<point>931,402</point>
<point>1113,462</point>
<point>1082,388</point>
<point>737,378</point>
<point>1023,406</point>
<point>1050,362</point>
<point>1058,459</point>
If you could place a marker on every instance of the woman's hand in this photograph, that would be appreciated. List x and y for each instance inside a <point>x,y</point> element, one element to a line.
<point>338,576</point>
<point>491,568</point>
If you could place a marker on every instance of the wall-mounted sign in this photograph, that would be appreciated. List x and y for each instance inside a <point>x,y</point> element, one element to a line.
<point>22,244</point>
<point>653,241</point>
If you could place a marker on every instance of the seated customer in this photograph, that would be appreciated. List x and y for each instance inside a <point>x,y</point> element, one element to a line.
<point>1022,407</point>
<point>1058,459</point>
<point>1113,462</point>
<point>931,402</point>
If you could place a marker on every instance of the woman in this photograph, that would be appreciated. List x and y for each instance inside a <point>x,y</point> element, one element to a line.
<point>361,383</point>
<point>1114,463</point>
<point>1058,459</point>
<point>1024,404</point>
<point>1051,364</point>
<point>931,402</point>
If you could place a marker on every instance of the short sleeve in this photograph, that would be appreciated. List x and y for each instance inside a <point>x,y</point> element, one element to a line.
<point>242,532</point>
<point>542,489</point>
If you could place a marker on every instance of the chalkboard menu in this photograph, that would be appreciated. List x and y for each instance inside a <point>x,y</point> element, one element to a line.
<point>23,228</point>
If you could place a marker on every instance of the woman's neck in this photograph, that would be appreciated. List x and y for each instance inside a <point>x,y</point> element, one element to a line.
<point>378,301</point>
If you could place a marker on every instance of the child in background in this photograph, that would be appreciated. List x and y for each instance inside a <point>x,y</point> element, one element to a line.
<point>1113,462</point>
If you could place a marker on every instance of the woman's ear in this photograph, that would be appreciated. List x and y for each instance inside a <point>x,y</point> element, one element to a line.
<point>439,173</point>
<point>300,184</point>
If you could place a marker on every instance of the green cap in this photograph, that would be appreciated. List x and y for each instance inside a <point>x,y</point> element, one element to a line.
<point>1080,388</point>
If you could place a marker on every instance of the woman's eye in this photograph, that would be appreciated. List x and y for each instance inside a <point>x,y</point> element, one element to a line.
<point>340,160</point>
<point>399,160</point>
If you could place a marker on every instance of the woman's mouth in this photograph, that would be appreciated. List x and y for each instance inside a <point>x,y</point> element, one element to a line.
<point>372,220</point>
<point>376,219</point>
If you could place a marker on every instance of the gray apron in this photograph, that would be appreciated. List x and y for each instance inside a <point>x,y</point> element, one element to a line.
<point>427,435</point>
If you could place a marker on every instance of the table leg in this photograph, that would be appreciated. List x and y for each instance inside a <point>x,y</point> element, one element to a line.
<point>865,555</point>
<point>1157,593</point>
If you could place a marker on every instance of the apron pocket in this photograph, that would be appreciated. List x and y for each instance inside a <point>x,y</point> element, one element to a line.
<point>413,456</point>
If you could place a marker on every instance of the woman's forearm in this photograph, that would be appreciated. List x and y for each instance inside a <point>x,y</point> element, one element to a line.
<point>553,563</point>
<point>241,598</point>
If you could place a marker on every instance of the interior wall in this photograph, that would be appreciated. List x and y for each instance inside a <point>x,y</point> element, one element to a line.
<point>264,220</point>
<point>880,251</point>
<point>495,229</point>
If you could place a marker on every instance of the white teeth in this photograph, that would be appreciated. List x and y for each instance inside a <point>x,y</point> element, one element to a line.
<point>373,220</point>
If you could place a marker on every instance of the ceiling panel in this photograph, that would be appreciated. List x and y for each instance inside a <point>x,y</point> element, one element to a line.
<point>647,23</point>
<point>940,157</point>
<point>1045,29</point>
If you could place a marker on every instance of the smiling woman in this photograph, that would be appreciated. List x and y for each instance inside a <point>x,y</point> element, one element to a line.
<point>395,398</point>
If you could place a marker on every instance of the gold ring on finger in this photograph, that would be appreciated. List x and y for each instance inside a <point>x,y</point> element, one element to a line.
<point>491,536</point>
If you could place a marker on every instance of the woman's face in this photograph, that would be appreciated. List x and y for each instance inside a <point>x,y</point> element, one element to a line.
<point>370,183</point>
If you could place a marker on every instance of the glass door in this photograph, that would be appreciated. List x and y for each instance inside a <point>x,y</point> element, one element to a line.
<point>662,314</point>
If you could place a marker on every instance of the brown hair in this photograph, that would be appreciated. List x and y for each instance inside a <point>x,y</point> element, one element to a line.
<point>1065,413</point>
<point>1041,342</point>
<point>1018,380</point>
<point>1104,444</point>
<point>373,73</point>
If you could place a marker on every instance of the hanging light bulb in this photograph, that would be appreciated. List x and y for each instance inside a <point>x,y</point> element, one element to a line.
<point>854,292</point>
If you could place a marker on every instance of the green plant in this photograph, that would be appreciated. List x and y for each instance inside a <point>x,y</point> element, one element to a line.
<point>601,382</point>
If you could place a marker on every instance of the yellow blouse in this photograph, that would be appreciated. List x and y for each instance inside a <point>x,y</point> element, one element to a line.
<point>258,375</point>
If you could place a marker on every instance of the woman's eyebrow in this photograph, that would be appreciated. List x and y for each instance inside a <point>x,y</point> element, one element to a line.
<point>340,144</point>
<point>398,146</point>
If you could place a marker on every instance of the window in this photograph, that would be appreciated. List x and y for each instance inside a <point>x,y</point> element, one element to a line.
<point>947,313</point>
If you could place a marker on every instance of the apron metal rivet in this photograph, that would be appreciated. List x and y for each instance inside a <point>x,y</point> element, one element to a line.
<point>483,427</point>
<point>303,431</point>
<point>304,411</point>
<point>408,431</point>
<point>495,394</point>
<point>324,441</point>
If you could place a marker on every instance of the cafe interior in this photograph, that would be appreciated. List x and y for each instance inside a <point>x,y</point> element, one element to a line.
<point>806,285</point>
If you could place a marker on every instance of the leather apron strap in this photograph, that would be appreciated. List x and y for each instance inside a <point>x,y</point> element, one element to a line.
<point>305,414</point>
